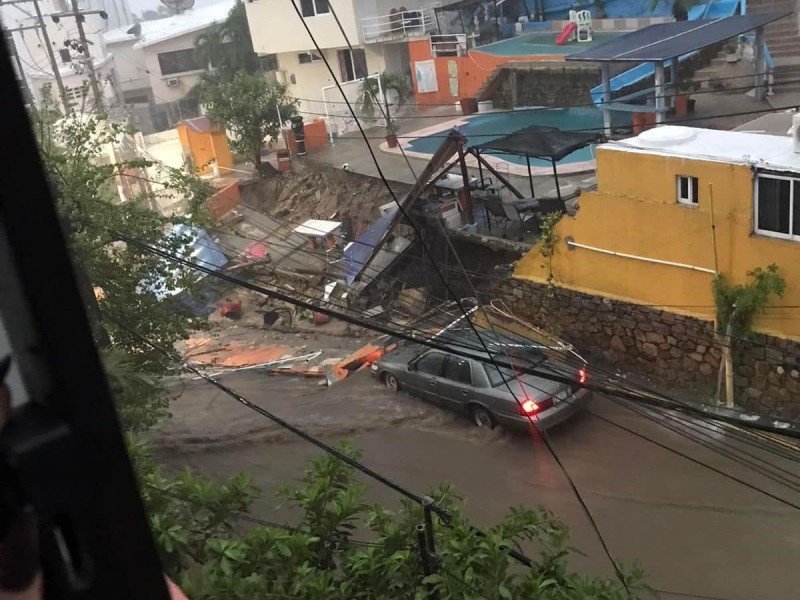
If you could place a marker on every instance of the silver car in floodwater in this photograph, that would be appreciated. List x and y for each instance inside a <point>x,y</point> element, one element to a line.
<point>488,394</point>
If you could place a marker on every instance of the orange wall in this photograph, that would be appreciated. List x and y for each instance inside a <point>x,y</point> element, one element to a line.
<point>224,200</point>
<point>473,70</point>
<point>205,147</point>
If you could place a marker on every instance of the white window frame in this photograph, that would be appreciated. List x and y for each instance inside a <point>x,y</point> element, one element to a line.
<point>314,6</point>
<point>315,57</point>
<point>691,200</point>
<point>792,235</point>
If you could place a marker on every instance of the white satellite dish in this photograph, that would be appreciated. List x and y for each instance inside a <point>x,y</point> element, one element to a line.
<point>178,6</point>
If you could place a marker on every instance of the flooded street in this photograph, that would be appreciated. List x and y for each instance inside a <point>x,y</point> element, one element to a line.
<point>697,533</point>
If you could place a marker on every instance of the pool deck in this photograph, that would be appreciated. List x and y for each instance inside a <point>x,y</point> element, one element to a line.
<point>542,44</point>
<point>501,165</point>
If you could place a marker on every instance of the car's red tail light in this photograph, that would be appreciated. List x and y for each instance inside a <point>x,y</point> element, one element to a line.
<point>529,407</point>
<point>582,376</point>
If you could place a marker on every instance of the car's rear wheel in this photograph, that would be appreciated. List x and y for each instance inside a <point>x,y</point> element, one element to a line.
<point>390,381</point>
<point>482,417</point>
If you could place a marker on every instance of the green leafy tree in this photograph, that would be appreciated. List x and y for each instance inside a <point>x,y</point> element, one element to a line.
<point>248,107</point>
<point>737,307</point>
<point>368,91</point>
<point>197,526</point>
<point>210,47</point>
<point>680,8</point>
<point>115,278</point>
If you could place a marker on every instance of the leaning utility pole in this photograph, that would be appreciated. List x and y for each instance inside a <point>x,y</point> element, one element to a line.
<point>79,17</point>
<point>56,72</point>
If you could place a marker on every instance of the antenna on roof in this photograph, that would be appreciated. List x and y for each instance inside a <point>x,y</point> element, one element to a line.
<point>178,6</point>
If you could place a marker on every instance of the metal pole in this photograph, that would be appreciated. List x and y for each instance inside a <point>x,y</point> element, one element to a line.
<point>713,226</point>
<point>659,85</point>
<point>56,73</point>
<point>427,566</point>
<point>464,195</point>
<point>427,507</point>
<point>606,98</point>
<point>480,166</point>
<point>558,187</point>
<point>98,100</point>
<point>530,175</point>
<point>760,65</point>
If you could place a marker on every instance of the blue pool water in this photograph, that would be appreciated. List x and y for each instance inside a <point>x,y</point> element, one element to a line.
<point>486,127</point>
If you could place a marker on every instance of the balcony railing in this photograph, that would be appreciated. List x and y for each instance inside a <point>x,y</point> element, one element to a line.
<point>449,44</point>
<point>410,23</point>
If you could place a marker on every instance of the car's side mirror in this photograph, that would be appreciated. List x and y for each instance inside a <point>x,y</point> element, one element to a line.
<point>412,366</point>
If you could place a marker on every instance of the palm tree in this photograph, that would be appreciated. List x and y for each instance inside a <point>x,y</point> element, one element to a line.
<point>680,8</point>
<point>209,47</point>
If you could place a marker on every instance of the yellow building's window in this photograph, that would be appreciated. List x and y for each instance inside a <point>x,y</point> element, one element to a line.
<point>777,206</point>
<point>687,190</point>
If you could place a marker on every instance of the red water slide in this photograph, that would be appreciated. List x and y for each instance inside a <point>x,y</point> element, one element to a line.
<point>568,30</point>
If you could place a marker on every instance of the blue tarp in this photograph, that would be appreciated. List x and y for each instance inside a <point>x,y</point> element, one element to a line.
<point>201,250</point>
<point>359,251</point>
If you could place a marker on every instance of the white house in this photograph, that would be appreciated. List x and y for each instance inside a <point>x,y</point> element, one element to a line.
<point>20,18</point>
<point>157,66</point>
<point>378,30</point>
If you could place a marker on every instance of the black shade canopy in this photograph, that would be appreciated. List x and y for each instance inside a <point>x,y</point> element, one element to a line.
<point>669,40</point>
<point>540,142</point>
<point>460,5</point>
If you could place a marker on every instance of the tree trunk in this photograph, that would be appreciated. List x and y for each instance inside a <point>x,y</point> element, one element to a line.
<point>257,159</point>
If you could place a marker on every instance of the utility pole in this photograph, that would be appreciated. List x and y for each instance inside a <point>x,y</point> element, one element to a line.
<point>79,18</point>
<point>56,72</point>
<point>23,82</point>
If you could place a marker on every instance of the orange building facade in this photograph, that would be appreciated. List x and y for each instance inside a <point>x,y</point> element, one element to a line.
<point>204,144</point>
<point>464,75</point>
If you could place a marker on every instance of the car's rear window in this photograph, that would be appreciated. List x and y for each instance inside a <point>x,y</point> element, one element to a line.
<point>498,375</point>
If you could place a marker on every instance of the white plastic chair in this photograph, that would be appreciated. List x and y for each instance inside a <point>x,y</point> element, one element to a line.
<point>583,20</point>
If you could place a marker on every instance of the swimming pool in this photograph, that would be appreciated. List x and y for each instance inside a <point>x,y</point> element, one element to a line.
<point>485,127</point>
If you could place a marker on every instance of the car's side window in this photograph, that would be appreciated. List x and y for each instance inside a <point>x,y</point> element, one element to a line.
<point>458,369</point>
<point>431,363</point>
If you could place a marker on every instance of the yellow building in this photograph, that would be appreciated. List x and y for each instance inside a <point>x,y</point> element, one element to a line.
<point>675,204</point>
<point>203,144</point>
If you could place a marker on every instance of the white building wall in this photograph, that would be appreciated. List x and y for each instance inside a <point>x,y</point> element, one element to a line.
<point>130,65</point>
<point>276,28</point>
<point>158,82</point>
<point>305,81</point>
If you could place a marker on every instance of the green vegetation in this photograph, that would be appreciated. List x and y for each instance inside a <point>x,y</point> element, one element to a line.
<point>737,307</point>
<point>248,108</point>
<point>115,278</point>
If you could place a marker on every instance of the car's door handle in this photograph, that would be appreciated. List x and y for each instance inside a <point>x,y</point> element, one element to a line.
<point>432,382</point>
<point>464,393</point>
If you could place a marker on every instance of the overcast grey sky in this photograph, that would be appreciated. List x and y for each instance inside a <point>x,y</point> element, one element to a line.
<point>137,6</point>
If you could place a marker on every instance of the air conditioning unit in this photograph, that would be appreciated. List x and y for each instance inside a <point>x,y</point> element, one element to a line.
<point>795,131</point>
<point>173,82</point>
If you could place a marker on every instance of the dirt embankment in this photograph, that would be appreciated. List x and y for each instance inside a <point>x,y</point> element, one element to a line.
<point>320,192</point>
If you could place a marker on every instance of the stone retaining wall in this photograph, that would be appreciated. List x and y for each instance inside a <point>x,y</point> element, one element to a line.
<point>672,348</point>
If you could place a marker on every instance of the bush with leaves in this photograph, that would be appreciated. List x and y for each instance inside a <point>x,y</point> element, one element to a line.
<point>325,555</point>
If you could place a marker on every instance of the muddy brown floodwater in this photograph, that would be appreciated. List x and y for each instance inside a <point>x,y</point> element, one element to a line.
<point>697,533</point>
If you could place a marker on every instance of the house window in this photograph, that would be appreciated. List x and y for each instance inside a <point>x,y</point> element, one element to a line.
<point>179,61</point>
<point>269,62</point>
<point>777,206</point>
<point>687,190</point>
<point>312,8</point>
<point>308,57</point>
<point>352,65</point>
<point>66,57</point>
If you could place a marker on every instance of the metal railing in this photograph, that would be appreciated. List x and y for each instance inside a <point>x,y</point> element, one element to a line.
<point>409,23</point>
<point>449,44</point>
